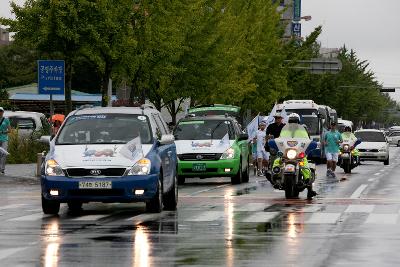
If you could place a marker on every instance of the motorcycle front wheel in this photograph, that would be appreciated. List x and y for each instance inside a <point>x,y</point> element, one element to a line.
<point>290,187</point>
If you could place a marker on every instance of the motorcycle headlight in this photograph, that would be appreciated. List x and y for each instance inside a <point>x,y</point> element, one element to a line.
<point>142,167</point>
<point>346,147</point>
<point>228,154</point>
<point>291,154</point>
<point>53,168</point>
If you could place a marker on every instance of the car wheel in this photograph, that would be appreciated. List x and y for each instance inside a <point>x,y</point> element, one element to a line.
<point>181,180</point>
<point>171,197</point>
<point>246,173</point>
<point>386,162</point>
<point>237,179</point>
<point>155,204</point>
<point>50,206</point>
<point>75,207</point>
<point>398,143</point>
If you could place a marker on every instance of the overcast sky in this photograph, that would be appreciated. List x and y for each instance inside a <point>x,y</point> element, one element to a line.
<point>370,27</point>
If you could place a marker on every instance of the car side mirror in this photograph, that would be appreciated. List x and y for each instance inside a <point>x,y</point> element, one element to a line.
<point>46,139</point>
<point>243,136</point>
<point>167,139</point>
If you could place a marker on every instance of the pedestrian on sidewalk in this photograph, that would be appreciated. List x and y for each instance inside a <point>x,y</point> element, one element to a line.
<point>5,129</point>
<point>332,142</point>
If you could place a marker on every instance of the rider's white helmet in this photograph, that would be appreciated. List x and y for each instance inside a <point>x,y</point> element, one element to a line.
<point>294,118</point>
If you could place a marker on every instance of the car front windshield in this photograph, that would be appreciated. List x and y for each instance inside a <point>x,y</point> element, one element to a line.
<point>370,136</point>
<point>204,130</point>
<point>105,129</point>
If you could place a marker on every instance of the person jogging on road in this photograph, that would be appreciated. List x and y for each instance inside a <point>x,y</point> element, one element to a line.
<point>332,142</point>
<point>262,154</point>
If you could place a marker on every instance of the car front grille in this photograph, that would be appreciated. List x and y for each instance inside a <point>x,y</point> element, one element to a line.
<point>368,150</point>
<point>200,156</point>
<point>192,171</point>
<point>96,192</point>
<point>82,172</point>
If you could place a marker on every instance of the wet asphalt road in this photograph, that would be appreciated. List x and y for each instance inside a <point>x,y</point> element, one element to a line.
<point>354,222</point>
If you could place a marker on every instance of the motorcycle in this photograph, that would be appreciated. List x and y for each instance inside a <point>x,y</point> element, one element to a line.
<point>347,159</point>
<point>291,165</point>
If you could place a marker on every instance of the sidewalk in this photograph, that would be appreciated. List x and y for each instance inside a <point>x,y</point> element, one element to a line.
<point>21,171</point>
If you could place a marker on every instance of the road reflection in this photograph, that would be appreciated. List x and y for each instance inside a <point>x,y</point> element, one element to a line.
<point>141,247</point>
<point>229,215</point>
<point>52,244</point>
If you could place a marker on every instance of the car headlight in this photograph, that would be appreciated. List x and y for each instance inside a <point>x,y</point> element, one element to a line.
<point>291,154</point>
<point>228,154</point>
<point>142,167</point>
<point>383,149</point>
<point>53,168</point>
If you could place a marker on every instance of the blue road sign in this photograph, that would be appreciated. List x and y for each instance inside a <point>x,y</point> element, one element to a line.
<point>296,29</point>
<point>51,77</point>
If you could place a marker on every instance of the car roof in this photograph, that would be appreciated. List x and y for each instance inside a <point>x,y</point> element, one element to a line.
<point>23,114</point>
<point>369,130</point>
<point>208,118</point>
<point>115,110</point>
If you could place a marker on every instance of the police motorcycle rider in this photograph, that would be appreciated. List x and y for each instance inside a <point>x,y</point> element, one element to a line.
<point>351,140</point>
<point>291,149</point>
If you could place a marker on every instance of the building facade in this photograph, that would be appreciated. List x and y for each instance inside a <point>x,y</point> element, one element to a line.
<point>4,36</point>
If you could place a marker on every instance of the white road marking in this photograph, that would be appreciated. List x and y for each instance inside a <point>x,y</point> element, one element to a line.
<point>371,179</point>
<point>90,217</point>
<point>253,207</point>
<point>382,219</point>
<point>209,189</point>
<point>12,206</point>
<point>260,217</point>
<point>207,216</point>
<point>360,208</point>
<point>359,191</point>
<point>5,253</point>
<point>309,209</point>
<point>32,217</point>
<point>324,218</point>
<point>145,217</point>
<point>377,174</point>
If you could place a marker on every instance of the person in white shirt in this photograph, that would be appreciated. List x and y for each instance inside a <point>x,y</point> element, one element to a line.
<point>262,154</point>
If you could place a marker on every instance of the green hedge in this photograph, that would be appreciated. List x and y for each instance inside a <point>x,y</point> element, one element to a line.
<point>24,149</point>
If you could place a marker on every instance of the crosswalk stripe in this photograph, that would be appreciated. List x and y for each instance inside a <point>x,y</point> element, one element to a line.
<point>253,207</point>
<point>260,217</point>
<point>12,206</point>
<point>145,217</point>
<point>32,217</point>
<point>310,209</point>
<point>207,216</point>
<point>5,253</point>
<point>90,217</point>
<point>382,219</point>
<point>324,218</point>
<point>360,208</point>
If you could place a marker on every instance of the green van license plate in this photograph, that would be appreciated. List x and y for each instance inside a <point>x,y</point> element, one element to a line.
<point>199,167</point>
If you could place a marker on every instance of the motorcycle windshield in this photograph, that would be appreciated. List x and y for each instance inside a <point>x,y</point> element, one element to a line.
<point>294,130</point>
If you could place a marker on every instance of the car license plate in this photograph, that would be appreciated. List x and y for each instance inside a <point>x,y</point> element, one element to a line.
<point>95,185</point>
<point>199,167</point>
<point>290,168</point>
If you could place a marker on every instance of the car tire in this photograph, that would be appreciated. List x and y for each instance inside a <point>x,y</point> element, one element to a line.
<point>181,180</point>
<point>156,203</point>
<point>246,173</point>
<point>398,143</point>
<point>50,206</point>
<point>75,207</point>
<point>386,162</point>
<point>237,179</point>
<point>171,197</point>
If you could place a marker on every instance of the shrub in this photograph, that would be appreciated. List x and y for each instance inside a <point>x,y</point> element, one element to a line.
<point>24,149</point>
